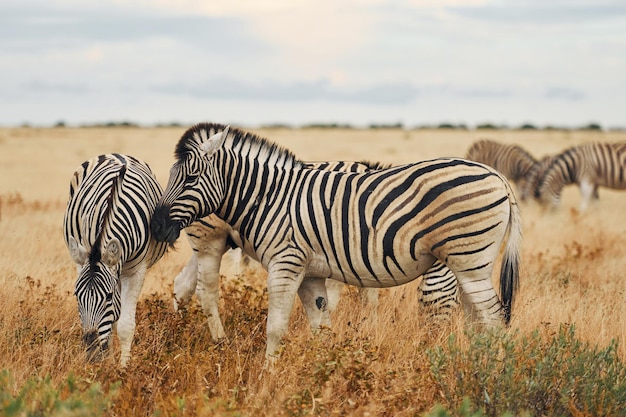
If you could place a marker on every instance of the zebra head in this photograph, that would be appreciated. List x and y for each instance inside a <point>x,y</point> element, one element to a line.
<point>194,189</point>
<point>98,294</point>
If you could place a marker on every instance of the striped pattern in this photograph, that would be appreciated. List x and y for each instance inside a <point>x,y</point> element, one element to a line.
<point>210,238</point>
<point>106,229</point>
<point>511,160</point>
<point>375,229</point>
<point>589,166</point>
<point>439,292</point>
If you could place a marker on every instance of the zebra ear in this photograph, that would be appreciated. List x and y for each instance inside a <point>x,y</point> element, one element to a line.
<point>112,253</point>
<point>214,142</point>
<point>77,252</point>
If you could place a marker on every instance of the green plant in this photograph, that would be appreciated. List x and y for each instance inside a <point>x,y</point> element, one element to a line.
<point>501,372</point>
<point>41,397</point>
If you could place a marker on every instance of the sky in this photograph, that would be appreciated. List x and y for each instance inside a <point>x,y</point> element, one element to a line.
<point>296,62</point>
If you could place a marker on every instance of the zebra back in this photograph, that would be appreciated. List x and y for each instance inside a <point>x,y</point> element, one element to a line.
<point>512,161</point>
<point>114,194</point>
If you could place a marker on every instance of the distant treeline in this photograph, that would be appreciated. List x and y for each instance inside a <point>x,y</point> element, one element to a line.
<point>397,125</point>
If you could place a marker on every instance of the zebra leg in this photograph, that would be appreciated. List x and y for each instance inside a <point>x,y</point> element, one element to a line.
<point>587,189</point>
<point>333,292</point>
<point>479,298</point>
<point>439,292</point>
<point>131,288</point>
<point>246,266</point>
<point>185,282</point>
<point>334,288</point>
<point>208,289</point>
<point>283,282</point>
<point>313,294</point>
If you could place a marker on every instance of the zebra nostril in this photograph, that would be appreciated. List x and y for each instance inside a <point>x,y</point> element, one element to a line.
<point>90,338</point>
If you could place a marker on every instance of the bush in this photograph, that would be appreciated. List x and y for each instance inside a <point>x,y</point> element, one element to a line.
<point>41,397</point>
<point>592,127</point>
<point>499,374</point>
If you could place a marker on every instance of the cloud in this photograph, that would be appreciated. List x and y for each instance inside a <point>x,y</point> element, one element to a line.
<point>542,12</point>
<point>487,93</point>
<point>64,88</point>
<point>321,89</point>
<point>567,94</point>
<point>46,27</point>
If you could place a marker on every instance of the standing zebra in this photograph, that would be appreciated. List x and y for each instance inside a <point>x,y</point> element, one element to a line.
<point>107,232</point>
<point>511,160</point>
<point>591,165</point>
<point>375,229</point>
<point>211,237</point>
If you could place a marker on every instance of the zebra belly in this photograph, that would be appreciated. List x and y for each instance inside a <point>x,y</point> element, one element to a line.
<point>362,277</point>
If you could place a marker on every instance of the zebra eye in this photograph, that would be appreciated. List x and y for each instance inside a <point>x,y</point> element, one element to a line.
<point>109,297</point>
<point>191,179</point>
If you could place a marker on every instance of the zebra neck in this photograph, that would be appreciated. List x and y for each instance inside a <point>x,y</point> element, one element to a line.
<point>255,192</point>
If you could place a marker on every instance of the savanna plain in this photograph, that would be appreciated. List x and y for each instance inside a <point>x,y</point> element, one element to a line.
<point>563,353</point>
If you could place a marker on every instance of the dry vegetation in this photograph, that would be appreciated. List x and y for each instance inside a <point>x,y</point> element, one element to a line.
<point>372,363</point>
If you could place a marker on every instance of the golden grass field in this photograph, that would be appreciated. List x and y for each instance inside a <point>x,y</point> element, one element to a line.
<point>572,273</point>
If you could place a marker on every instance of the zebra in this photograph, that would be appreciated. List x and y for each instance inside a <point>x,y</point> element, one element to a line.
<point>107,233</point>
<point>590,165</point>
<point>512,161</point>
<point>375,229</point>
<point>539,172</point>
<point>211,237</point>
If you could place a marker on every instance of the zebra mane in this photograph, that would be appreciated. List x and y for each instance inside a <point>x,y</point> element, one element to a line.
<point>237,140</point>
<point>375,165</point>
<point>95,255</point>
<point>566,160</point>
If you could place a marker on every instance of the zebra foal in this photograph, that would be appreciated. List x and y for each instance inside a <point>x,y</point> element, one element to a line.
<point>107,232</point>
<point>211,237</point>
<point>375,229</point>
<point>511,160</point>
<point>590,165</point>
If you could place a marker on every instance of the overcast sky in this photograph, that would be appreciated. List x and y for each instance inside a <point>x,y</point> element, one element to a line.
<point>252,62</point>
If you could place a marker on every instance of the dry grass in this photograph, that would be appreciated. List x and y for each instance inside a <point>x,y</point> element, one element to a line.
<point>371,364</point>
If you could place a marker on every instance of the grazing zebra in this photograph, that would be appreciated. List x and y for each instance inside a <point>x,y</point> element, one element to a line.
<point>380,228</point>
<point>590,166</point>
<point>107,232</point>
<point>511,160</point>
<point>211,237</point>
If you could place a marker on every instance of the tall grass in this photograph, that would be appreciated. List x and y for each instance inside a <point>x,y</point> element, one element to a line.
<point>563,354</point>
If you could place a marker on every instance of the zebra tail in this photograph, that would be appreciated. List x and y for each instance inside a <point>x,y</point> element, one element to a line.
<point>509,272</point>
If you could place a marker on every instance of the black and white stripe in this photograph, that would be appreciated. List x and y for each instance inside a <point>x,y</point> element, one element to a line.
<point>439,292</point>
<point>512,161</point>
<point>589,166</point>
<point>210,238</point>
<point>107,232</point>
<point>375,229</point>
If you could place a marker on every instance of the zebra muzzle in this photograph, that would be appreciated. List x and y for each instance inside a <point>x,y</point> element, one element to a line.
<point>95,351</point>
<point>163,228</point>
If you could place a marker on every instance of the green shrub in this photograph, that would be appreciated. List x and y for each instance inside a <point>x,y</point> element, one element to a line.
<point>500,373</point>
<point>40,397</point>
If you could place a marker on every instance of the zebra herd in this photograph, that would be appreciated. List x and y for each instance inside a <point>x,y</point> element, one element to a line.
<point>590,166</point>
<point>311,226</point>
